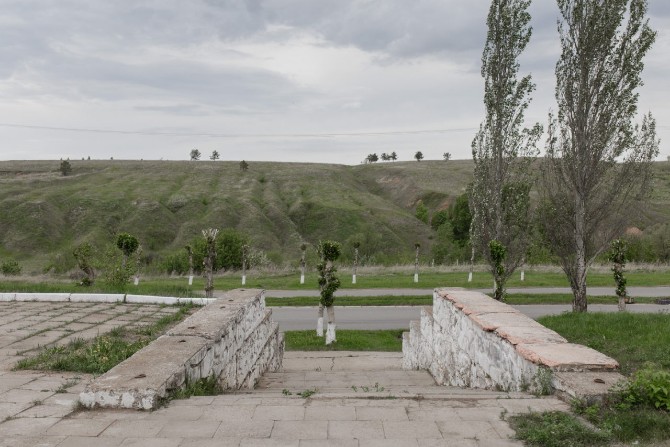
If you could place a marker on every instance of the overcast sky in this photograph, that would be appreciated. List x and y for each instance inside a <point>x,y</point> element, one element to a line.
<point>284,80</point>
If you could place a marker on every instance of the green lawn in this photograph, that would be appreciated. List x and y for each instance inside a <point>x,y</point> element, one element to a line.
<point>631,339</point>
<point>179,286</point>
<point>427,300</point>
<point>347,340</point>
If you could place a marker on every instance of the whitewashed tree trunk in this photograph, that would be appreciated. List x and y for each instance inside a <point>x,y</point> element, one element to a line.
<point>190,280</point>
<point>353,276</point>
<point>472,262</point>
<point>319,322</point>
<point>416,264</point>
<point>330,334</point>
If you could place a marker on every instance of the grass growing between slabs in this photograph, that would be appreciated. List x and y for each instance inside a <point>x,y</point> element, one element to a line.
<point>347,340</point>
<point>103,352</point>
<point>636,412</point>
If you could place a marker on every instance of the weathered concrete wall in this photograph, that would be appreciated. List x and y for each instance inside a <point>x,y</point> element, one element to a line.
<point>232,338</point>
<point>468,339</point>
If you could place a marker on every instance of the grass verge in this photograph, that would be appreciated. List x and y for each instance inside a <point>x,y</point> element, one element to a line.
<point>427,300</point>
<point>636,411</point>
<point>178,286</point>
<point>631,339</point>
<point>347,340</point>
<point>102,353</point>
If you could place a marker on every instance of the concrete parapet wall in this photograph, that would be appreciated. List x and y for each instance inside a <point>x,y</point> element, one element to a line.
<point>232,338</point>
<point>468,339</point>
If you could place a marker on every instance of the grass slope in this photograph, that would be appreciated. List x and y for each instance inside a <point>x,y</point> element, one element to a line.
<point>166,204</point>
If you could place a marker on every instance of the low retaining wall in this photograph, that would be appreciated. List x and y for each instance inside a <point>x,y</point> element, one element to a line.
<point>233,338</point>
<point>468,339</point>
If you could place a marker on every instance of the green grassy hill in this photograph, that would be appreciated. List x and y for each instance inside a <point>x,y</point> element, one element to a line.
<point>279,205</point>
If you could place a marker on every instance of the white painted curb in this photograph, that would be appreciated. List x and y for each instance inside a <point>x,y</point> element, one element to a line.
<point>102,298</point>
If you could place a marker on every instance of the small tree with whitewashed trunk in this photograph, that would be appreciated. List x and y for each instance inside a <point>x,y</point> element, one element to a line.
<point>417,246</point>
<point>303,249</point>
<point>209,260</point>
<point>128,244</point>
<point>328,283</point>
<point>189,250</point>
<point>245,255</point>
<point>138,264</point>
<point>618,256</point>
<point>356,247</point>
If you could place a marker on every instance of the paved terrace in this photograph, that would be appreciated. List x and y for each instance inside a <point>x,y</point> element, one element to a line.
<point>361,399</point>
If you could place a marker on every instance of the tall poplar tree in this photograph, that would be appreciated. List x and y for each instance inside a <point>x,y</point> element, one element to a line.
<point>502,149</point>
<point>597,169</point>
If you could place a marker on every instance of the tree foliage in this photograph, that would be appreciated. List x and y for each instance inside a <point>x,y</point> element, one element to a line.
<point>597,172</point>
<point>215,155</point>
<point>84,254</point>
<point>195,154</point>
<point>418,156</point>
<point>422,212</point>
<point>618,257</point>
<point>127,243</point>
<point>65,167</point>
<point>244,166</point>
<point>329,251</point>
<point>502,149</point>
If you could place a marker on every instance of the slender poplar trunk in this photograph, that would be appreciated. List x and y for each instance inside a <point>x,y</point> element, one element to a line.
<point>578,285</point>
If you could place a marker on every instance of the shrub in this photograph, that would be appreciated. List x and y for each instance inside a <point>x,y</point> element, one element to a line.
<point>10,268</point>
<point>648,387</point>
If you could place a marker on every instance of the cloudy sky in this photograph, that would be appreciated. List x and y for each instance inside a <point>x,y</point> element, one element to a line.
<point>286,80</point>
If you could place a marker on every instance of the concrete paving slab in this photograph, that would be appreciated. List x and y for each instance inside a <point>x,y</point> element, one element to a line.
<point>355,430</point>
<point>26,427</point>
<point>279,412</point>
<point>190,429</point>
<point>31,441</point>
<point>245,429</point>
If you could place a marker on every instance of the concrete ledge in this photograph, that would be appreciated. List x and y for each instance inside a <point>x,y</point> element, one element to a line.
<point>102,298</point>
<point>232,338</point>
<point>96,298</point>
<point>42,297</point>
<point>469,339</point>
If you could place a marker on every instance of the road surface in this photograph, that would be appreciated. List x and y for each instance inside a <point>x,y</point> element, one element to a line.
<point>398,317</point>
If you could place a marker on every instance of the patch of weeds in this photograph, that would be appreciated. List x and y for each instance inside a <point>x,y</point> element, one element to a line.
<point>167,321</point>
<point>36,402</point>
<point>555,429</point>
<point>286,392</point>
<point>634,411</point>
<point>378,388</point>
<point>308,393</point>
<point>355,388</point>
<point>543,385</point>
<point>365,389</point>
<point>68,384</point>
<point>102,353</point>
<point>204,387</point>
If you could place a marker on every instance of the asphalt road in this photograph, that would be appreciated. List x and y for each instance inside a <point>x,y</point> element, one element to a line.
<point>398,317</point>
<point>653,292</point>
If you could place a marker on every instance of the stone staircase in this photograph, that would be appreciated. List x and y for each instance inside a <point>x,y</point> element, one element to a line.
<point>358,375</point>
